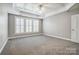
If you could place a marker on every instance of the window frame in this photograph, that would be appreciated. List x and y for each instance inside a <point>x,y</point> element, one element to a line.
<point>25,25</point>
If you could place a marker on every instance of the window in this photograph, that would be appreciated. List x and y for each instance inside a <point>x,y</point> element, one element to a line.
<point>22,25</point>
<point>35,25</point>
<point>26,25</point>
<point>18,26</point>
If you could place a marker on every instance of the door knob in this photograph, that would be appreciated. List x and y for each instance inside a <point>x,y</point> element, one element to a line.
<point>73,30</point>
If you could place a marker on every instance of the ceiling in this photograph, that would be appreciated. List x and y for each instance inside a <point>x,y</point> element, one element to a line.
<point>74,8</point>
<point>42,9</point>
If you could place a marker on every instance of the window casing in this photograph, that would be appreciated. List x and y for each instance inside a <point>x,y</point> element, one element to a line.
<point>26,25</point>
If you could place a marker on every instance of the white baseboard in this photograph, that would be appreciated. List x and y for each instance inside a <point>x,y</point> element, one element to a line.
<point>24,36</point>
<point>3,46</point>
<point>58,37</point>
<point>61,38</point>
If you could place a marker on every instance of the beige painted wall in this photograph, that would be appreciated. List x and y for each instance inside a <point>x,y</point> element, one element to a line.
<point>58,25</point>
<point>3,25</point>
<point>11,25</point>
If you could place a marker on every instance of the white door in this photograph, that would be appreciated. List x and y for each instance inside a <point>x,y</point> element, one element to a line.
<point>74,28</point>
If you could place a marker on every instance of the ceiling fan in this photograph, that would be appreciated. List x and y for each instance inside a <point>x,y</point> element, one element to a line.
<point>43,6</point>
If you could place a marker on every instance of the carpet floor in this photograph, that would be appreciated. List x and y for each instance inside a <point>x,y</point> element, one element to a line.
<point>40,45</point>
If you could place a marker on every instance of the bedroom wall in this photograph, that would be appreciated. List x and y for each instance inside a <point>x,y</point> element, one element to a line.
<point>59,25</point>
<point>3,26</point>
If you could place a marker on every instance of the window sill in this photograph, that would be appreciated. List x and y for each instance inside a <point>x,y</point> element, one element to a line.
<point>26,33</point>
<point>21,36</point>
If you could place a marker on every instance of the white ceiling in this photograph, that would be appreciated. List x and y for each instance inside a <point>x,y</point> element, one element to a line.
<point>45,9</point>
<point>51,7</point>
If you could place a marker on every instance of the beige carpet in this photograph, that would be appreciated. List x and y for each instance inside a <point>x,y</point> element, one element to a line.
<point>40,45</point>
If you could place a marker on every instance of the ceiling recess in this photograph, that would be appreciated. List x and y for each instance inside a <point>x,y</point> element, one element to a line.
<point>43,9</point>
